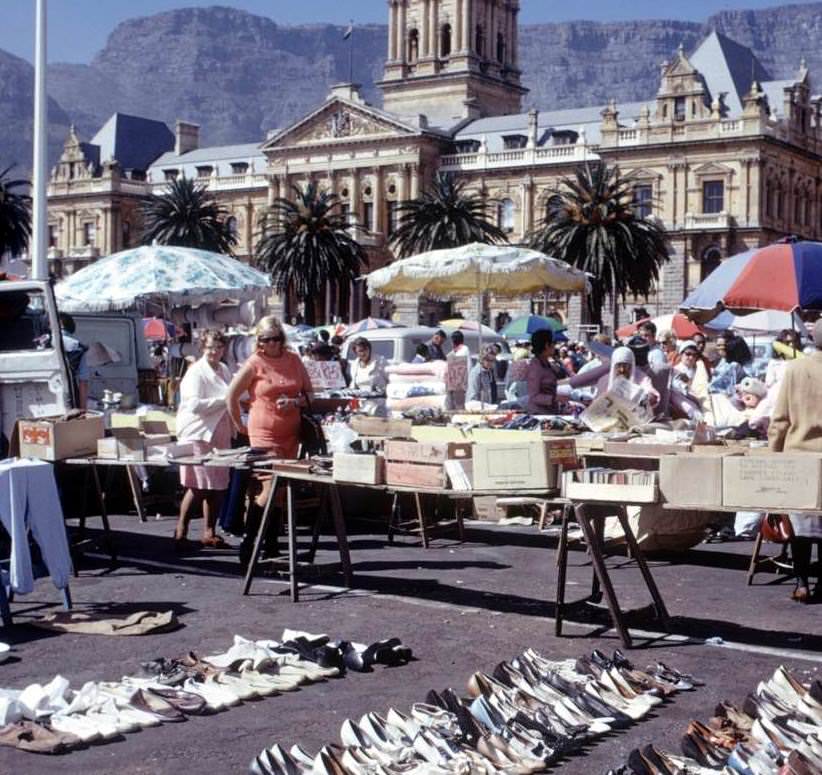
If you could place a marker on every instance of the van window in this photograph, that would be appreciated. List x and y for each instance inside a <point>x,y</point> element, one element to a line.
<point>23,321</point>
<point>384,347</point>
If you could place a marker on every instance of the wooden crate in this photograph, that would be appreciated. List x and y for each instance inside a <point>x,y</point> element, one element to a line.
<point>415,475</point>
<point>427,452</point>
<point>609,493</point>
<point>360,469</point>
<point>381,426</point>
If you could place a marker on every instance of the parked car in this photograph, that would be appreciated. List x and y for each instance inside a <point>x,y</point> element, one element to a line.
<point>399,345</point>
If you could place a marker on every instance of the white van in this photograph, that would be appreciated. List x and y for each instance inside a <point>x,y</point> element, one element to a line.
<point>399,345</point>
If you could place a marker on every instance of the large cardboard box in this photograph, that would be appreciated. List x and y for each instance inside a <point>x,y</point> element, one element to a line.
<point>692,479</point>
<point>772,482</point>
<point>52,438</point>
<point>532,465</point>
<point>427,452</point>
<point>360,469</point>
<point>415,475</point>
<point>123,444</point>
<point>609,493</point>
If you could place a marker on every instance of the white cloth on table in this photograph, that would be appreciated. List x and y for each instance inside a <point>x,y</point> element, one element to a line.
<point>29,502</point>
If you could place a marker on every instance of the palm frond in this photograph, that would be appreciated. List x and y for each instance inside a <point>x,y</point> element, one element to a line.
<point>15,214</point>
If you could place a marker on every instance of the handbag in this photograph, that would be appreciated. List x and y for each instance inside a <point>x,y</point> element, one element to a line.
<point>776,528</point>
<point>312,437</point>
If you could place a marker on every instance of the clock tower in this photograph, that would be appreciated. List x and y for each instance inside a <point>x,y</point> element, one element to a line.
<point>452,59</point>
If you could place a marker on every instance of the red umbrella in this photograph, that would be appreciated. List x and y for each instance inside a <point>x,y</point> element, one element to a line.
<point>678,323</point>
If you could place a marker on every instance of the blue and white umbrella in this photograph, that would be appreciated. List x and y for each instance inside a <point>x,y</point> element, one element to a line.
<point>160,273</point>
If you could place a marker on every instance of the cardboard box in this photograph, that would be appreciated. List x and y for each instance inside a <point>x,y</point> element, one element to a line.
<point>644,448</point>
<point>425,452</point>
<point>415,475</point>
<point>361,469</point>
<point>123,444</point>
<point>381,426</point>
<point>530,465</point>
<point>692,479</point>
<point>609,493</point>
<point>169,450</point>
<point>52,438</point>
<point>772,482</point>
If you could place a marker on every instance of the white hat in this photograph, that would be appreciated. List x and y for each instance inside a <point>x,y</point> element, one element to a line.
<point>688,344</point>
<point>753,386</point>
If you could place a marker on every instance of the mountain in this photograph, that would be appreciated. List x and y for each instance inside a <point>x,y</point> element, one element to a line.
<point>239,75</point>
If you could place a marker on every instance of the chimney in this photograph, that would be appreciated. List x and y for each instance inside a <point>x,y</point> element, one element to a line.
<point>533,128</point>
<point>186,137</point>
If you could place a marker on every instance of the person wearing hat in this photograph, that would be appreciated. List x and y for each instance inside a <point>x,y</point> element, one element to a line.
<point>482,379</point>
<point>690,381</point>
<point>796,426</point>
<point>623,365</point>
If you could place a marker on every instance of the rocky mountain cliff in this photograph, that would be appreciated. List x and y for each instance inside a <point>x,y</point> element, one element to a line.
<point>241,75</point>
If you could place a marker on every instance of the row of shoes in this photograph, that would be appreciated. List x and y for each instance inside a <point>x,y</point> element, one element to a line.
<point>519,720</point>
<point>53,718</point>
<point>777,731</point>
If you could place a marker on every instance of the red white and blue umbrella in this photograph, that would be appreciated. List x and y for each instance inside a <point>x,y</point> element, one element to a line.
<point>369,324</point>
<point>783,276</point>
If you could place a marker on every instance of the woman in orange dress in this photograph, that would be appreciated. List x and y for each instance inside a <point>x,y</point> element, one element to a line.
<point>278,388</point>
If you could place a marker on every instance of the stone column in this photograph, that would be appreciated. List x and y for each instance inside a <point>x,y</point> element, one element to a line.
<point>105,243</point>
<point>514,56</point>
<point>405,183</point>
<point>527,205</point>
<point>392,31</point>
<point>433,24</point>
<point>425,41</point>
<point>273,189</point>
<point>458,43</point>
<point>467,27</point>
<point>402,33</point>
<point>379,201</point>
<point>356,205</point>
<point>415,181</point>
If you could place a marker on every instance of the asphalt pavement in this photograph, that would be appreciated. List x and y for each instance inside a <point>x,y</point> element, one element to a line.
<point>462,607</point>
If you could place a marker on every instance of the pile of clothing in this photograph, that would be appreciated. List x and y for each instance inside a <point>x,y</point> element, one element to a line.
<point>777,730</point>
<point>54,718</point>
<point>412,385</point>
<point>530,713</point>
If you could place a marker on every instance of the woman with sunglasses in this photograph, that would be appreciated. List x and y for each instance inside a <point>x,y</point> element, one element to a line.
<point>278,388</point>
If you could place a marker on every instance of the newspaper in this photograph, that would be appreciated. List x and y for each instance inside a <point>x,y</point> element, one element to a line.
<point>623,407</point>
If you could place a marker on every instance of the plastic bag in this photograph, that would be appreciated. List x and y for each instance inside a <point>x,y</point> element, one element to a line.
<point>339,437</point>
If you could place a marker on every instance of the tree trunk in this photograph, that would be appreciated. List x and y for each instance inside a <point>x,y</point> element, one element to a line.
<point>614,313</point>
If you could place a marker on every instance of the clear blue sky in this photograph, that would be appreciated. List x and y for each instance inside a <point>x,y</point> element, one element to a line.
<point>79,28</point>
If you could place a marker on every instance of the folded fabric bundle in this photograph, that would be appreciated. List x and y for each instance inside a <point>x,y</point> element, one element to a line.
<point>402,404</point>
<point>138,623</point>
<point>415,388</point>
<point>432,369</point>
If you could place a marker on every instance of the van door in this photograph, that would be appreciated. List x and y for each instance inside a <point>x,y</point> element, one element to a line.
<point>34,376</point>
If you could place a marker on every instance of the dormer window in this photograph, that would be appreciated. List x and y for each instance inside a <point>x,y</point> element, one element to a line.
<point>170,175</point>
<point>514,142</point>
<point>205,171</point>
<point>239,167</point>
<point>564,137</point>
<point>467,146</point>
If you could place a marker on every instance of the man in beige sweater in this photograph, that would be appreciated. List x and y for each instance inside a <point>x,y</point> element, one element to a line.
<point>796,426</point>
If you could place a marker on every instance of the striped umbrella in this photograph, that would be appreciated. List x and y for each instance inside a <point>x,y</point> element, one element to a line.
<point>370,324</point>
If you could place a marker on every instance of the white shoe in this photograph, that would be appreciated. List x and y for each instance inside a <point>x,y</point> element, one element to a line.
<point>77,725</point>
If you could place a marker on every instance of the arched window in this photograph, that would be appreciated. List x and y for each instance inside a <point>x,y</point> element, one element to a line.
<point>413,45</point>
<point>479,44</point>
<point>445,41</point>
<point>768,199</point>
<point>505,215</point>
<point>500,48</point>
<point>126,234</point>
<point>231,226</point>
<point>711,259</point>
<point>780,200</point>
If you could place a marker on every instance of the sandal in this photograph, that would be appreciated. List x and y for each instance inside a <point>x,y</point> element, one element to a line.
<point>215,542</point>
<point>800,594</point>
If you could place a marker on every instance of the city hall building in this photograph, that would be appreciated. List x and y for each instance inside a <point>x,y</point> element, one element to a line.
<point>723,155</point>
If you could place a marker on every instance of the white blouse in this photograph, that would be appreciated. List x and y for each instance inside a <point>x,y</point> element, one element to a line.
<point>202,401</point>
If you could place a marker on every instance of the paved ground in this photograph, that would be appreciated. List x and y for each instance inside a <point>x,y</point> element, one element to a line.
<point>462,607</point>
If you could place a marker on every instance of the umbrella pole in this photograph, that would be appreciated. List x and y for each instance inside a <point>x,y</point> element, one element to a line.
<point>479,332</point>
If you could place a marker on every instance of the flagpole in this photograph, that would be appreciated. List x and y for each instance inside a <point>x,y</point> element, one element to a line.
<point>351,53</point>
<point>39,247</point>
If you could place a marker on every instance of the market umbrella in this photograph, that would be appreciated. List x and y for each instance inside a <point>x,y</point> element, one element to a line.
<point>527,324</point>
<point>783,276</point>
<point>460,324</point>
<point>678,323</point>
<point>161,273</point>
<point>765,322</point>
<point>370,324</point>
<point>157,329</point>
<point>473,270</point>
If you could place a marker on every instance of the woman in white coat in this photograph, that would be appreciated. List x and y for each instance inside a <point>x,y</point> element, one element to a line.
<point>203,420</point>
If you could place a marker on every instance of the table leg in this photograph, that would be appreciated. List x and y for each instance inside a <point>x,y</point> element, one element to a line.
<point>5,609</point>
<point>292,543</point>
<point>394,517</point>
<point>342,535</point>
<point>585,519</point>
<point>101,497</point>
<point>562,567</point>
<point>261,531</point>
<point>322,511</point>
<point>136,493</point>
<point>659,604</point>
<point>753,567</point>
<point>459,518</point>
<point>599,537</point>
<point>421,519</point>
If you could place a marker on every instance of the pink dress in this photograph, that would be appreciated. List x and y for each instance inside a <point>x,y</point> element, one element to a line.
<point>270,427</point>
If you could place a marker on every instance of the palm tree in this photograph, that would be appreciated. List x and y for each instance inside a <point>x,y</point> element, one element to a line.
<point>590,223</point>
<point>305,243</point>
<point>186,216</point>
<point>15,214</point>
<point>444,217</point>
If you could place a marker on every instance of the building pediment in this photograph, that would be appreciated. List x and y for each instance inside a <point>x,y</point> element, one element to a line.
<point>643,174</point>
<point>712,168</point>
<point>339,121</point>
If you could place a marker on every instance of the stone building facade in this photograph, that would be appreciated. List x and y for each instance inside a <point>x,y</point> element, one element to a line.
<point>726,157</point>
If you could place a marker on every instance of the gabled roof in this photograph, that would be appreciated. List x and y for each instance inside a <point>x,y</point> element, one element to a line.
<point>727,67</point>
<point>133,141</point>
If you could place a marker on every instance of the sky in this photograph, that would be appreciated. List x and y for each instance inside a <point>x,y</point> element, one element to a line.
<point>79,28</point>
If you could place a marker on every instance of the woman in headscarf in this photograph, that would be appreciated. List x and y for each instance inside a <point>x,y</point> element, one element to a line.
<point>623,366</point>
